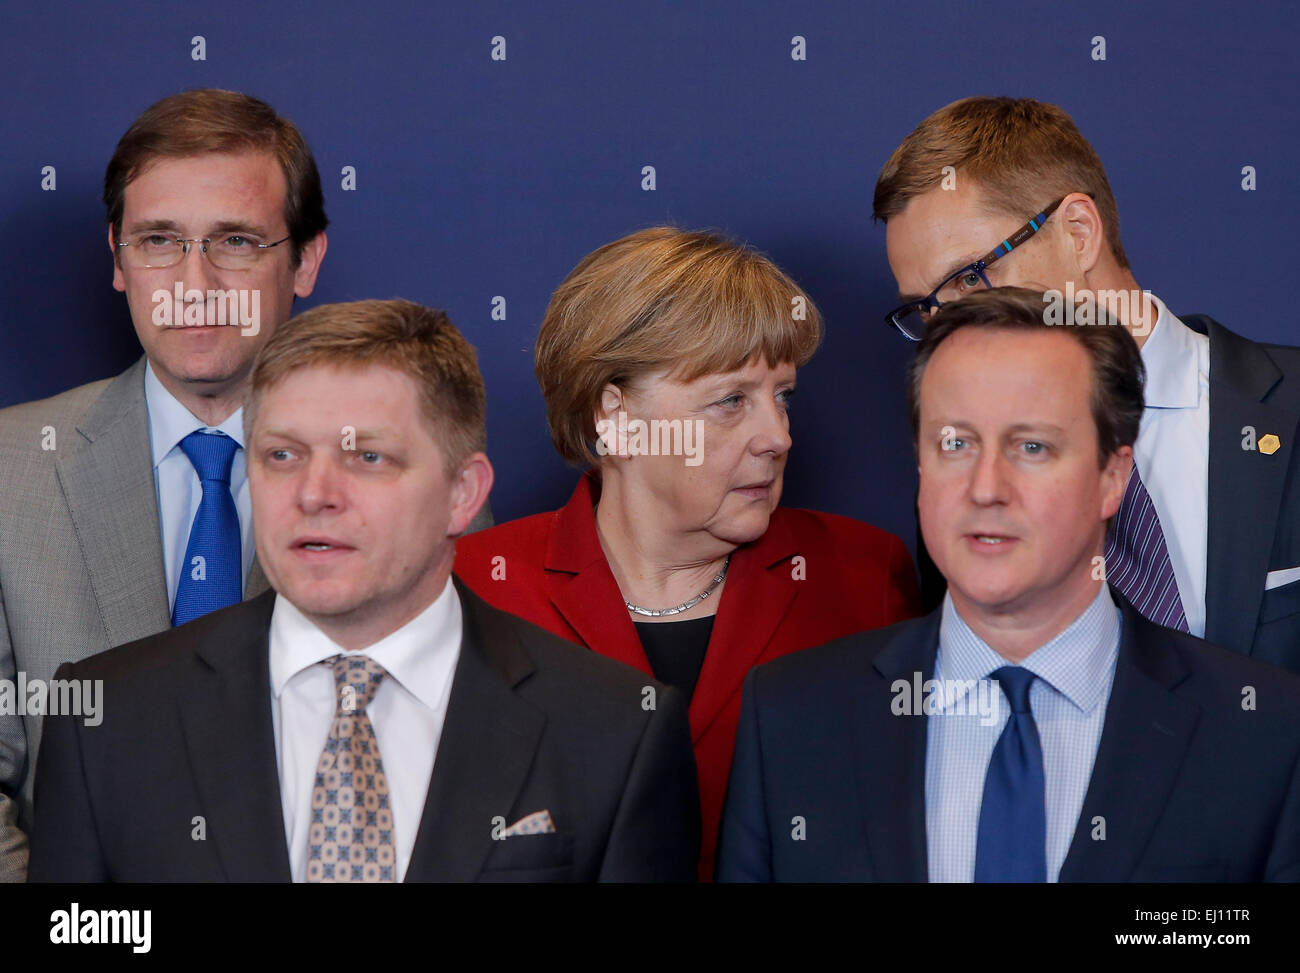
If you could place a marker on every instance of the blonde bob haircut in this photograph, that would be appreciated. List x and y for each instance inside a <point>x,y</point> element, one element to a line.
<point>680,303</point>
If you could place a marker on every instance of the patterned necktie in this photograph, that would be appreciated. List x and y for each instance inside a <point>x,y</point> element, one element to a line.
<point>1012,840</point>
<point>351,834</point>
<point>1137,560</point>
<point>211,575</point>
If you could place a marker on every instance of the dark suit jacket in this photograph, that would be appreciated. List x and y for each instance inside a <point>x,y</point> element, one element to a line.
<point>852,577</point>
<point>1192,787</point>
<point>81,562</point>
<point>1254,503</point>
<point>532,724</point>
<point>1254,499</point>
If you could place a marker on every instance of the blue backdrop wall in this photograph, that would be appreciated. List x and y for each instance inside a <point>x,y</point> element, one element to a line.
<point>478,178</point>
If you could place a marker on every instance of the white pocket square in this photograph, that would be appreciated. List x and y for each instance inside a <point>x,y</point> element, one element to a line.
<point>539,822</point>
<point>1276,579</point>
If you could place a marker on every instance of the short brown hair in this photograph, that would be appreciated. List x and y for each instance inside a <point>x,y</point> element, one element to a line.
<point>418,341</point>
<point>1118,374</point>
<point>1021,153</point>
<point>212,120</point>
<point>689,303</point>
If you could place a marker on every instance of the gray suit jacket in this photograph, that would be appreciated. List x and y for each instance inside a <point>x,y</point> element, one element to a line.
<point>81,564</point>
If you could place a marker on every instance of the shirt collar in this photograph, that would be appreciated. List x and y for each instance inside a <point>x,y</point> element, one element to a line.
<point>170,422</point>
<point>411,655</point>
<point>1172,356</point>
<point>1075,663</point>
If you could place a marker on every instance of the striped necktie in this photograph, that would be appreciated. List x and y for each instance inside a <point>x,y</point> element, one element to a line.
<point>1137,560</point>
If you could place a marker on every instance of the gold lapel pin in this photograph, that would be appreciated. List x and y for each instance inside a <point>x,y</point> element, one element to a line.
<point>1270,444</point>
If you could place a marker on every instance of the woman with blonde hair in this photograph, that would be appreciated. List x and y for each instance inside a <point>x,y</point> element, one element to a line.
<point>667,360</point>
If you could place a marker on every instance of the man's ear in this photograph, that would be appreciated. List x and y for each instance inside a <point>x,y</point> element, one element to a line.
<point>313,252</point>
<point>119,282</point>
<point>1114,480</point>
<point>469,491</point>
<point>1085,235</point>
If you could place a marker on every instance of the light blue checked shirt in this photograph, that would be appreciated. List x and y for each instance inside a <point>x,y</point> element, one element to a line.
<point>1075,671</point>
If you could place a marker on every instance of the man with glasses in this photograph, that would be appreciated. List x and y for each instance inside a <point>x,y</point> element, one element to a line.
<point>302,726</point>
<point>124,505</point>
<point>989,192</point>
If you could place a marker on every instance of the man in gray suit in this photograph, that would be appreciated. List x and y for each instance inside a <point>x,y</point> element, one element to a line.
<point>124,504</point>
<point>216,223</point>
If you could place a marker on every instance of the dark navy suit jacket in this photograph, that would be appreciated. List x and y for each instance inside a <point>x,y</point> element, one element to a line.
<point>829,785</point>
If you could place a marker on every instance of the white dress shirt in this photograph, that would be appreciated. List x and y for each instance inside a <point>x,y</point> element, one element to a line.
<point>1173,451</point>
<point>1075,673</point>
<point>407,712</point>
<point>177,482</point>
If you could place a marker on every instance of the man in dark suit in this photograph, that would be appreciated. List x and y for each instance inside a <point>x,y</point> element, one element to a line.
<point>1035,727</point>
<point>216,224</point>
<point>997,191</point>
<point>294,736</point>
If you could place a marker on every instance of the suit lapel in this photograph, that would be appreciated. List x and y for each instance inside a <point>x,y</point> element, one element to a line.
<point>592,604</point>
<point>582,587</point>
<point>226,718</point>
<point>488,741</point>
<point>890,755</point>
<point>756,597</point>
<point>1144,740</point>
<point>108,485</point>
<point>1239,540</point>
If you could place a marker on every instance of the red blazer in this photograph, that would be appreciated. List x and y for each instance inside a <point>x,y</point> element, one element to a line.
<point>852,577</point>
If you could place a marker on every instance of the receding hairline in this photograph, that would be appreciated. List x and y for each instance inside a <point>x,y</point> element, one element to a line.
<point>1091,389</point>
<point>154,159</point>
<point>1010,328</point>
<point>324,361</point>
<point>256,395</point>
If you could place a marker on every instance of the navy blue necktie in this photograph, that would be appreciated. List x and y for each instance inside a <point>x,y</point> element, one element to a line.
<point>211,575</point>
<point>1012,841</point>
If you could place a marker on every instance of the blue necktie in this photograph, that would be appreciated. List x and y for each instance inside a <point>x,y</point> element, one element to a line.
<point>211,576</point>
<point>1012,841</point>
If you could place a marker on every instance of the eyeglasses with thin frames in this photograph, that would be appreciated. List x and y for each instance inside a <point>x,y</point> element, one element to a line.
<point>153,250</point>
<point>910,318</point>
